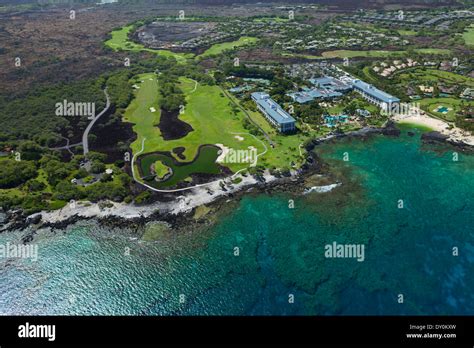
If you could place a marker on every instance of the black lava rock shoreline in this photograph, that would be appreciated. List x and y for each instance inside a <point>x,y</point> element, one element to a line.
<point>14,220</point>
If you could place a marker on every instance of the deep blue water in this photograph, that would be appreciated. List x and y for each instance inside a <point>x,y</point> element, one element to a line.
<point>408,251</point>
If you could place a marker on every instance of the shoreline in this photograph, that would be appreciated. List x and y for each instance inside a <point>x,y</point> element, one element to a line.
<point>454,135</point>
<point>177,212</point>
<point>181,206</point>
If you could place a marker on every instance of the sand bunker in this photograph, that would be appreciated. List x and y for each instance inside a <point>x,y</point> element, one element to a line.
<point>224,152</point>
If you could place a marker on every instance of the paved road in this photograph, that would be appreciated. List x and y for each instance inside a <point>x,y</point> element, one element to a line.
<point>135,177</point>
<point>85,136</point>
<point>66,147</point>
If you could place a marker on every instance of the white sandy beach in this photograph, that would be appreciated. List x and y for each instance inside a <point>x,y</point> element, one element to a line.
<point>420,117</point>
<point>208,193</point>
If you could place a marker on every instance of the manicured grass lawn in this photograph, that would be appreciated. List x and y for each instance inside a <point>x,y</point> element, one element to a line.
<point>369,53</point>
<point>336,109</point>
<point>434,75</point>
<point>286,146</point>
<point>352,54</point>
<point>452,77</point>
<point>286,151</point>
<point>204,163</point>
<point>257,117</point>
<point>160,169</point>
<point>468,35</point>
<point>368,75</point>
<point>298,55</point>
<point>138,113</point>
<point>120,42</point>
<point>364,104</point>
<point>407,32</point>
<point>208,111</point>
<point>379,53</point>
<point>271,19</point>
<point>210,114</point>
<point>225,46</point>
<point>262,122</point>
<point>433,50</point>
<point>369,107</point>
<point>432,104</point>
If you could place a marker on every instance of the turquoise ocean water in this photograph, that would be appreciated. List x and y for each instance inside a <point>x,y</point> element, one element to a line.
<point>408,251</point>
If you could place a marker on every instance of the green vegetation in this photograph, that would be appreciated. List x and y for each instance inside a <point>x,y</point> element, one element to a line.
<point>46,178</point>
<point>225,46</point>
<point>216,118</point>
<point>430,77</point>
<point>336,109</point>
<point>441,101</point>
<point>368,75</point>
<point>46,184</point>
<point>406,32</point>
<point>171,96</point>
<point>301,55</point>
<point>161,169</point>
<point>120,42</point>
<point>285,152</point>
<point>365,26</point>
<point>453,105</point>
<point>14,173</point>
<point>271,19</point>
<point>208,111</point>
<point>381,53</point>
<point>446,76</point>
<point>119,89</point>
<point>204,163</point>
<point>33,116</point>
<point>468,35</point>
<point>438,80</point>
<point>369,53</point>
<point>139,113</point>
<point>428,51</point>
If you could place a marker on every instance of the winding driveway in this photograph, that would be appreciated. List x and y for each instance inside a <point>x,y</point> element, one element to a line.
<point>85,136</point>
<point>139,180</point>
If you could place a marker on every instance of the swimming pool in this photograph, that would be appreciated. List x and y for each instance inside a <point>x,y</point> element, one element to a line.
<point>331,120</point>
<point>442,109</point>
